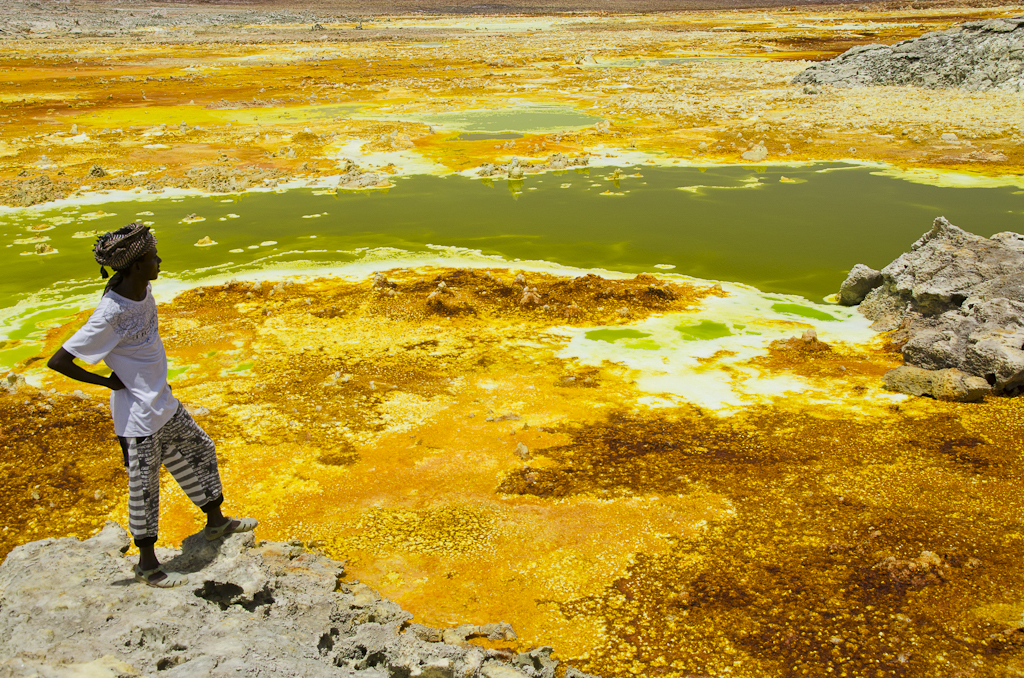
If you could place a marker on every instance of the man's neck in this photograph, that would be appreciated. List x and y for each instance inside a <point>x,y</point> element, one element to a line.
<point>132,287</point>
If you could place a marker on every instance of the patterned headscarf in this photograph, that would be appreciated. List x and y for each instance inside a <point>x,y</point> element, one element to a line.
<point>119,249</point>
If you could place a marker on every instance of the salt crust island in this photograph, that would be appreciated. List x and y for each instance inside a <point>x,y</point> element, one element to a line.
<point>71,608</point>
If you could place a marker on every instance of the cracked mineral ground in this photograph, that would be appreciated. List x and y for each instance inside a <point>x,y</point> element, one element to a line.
<point>573,398</point>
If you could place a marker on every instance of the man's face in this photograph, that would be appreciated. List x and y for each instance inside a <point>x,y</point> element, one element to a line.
<point>149,265</point>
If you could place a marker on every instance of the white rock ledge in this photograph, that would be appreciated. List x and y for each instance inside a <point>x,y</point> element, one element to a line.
<point>73,608</point>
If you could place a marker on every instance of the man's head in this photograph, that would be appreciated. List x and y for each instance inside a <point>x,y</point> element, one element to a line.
<point>122,249</point>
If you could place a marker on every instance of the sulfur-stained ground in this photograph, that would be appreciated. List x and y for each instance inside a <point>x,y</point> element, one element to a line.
<point>433,437</point>
<point>149,104</point>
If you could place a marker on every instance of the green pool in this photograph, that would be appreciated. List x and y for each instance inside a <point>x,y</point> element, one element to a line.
<point>738,224</point>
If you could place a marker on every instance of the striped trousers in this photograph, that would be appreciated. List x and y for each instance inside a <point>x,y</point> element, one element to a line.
<point>189,455</point>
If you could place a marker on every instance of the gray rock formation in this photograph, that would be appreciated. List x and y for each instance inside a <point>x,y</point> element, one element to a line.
<point>515,168</point>
<point>72,608</point>
<point>353,177</point>
<point>33,18</point>
<point>959,298</point>
<point>862,279</point>
<point>976,56</point>
<point>948,384</point>
<point>229,179</point>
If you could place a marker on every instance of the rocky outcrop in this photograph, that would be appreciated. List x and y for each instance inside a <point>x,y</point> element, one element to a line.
<point>958,300</point>
<point>949,384</point>
<point>353,177</point>
<point>215,179</point>
<point>32,18</point>
<point>862,279</point>
<point>756,153</point>
<point>517,167</point>
<point>32,191</point>
<point>228,179</point>
<point>976,56</point>
<point>70,607</point>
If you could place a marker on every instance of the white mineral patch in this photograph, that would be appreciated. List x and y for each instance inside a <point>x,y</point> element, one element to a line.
<point>690,369</point>
<point>505,25</point>
<point>77,139</point>
<point>700,189</point>
<point>90,216</point>
<point>406,162</point>
<point>948,179</point>
<point>679,377</point>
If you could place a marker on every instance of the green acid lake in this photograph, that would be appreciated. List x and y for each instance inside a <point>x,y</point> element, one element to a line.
<point>792,230</point>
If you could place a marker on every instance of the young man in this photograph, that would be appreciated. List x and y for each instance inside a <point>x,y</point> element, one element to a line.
<point>151,425</point>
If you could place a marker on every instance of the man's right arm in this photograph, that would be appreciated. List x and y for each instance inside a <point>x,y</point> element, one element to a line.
<point>64,362</point>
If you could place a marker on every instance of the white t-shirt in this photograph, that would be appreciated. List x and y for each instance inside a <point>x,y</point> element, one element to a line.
<point>123,334</point>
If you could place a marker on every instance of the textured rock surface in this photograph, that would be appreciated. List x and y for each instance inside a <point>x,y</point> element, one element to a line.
<point>861,280</point>
<point>72,608</point>
<point>755,154</point>
<point>516,167</point>
<point>958,298</point>
<point>949,384</point>
<point>976,56</point>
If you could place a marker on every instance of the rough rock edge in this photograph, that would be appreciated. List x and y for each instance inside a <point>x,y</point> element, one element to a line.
<point>950,384</point>
<point>976,56</point>
<point>516,167</point>
<point>69,607</point>
<point>956,300</point>
<point>858,284</point>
